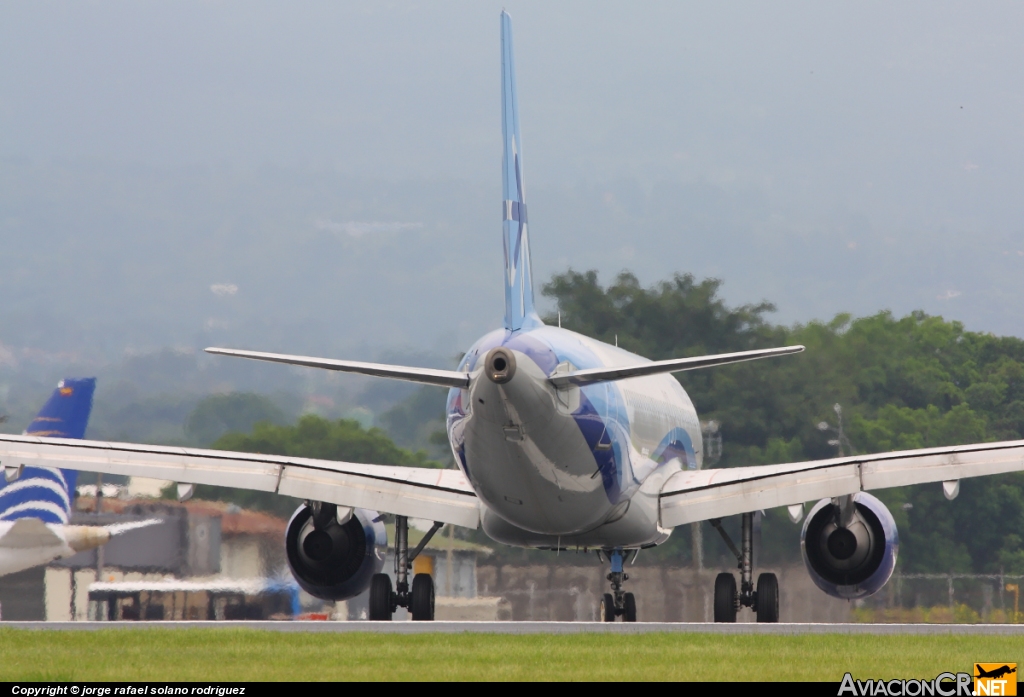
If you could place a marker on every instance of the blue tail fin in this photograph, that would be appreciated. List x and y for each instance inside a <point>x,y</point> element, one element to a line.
<point>47,492</point>
<point>519,311</point>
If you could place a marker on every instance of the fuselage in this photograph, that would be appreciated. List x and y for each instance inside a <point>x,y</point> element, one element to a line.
<point>569,466</point>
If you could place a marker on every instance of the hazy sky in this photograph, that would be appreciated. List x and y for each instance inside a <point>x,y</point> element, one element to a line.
<point>827,157</point>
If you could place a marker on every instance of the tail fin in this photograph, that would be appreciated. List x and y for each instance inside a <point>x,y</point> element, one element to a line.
<point>47,492</point>
<point>519,311</point>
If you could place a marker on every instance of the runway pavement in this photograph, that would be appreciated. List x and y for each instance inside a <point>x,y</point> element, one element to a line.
<point>541,627</point>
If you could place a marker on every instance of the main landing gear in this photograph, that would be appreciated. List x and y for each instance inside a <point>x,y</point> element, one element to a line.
<point>617,603</point>
<point>420,601</point>
<point>764,600</point>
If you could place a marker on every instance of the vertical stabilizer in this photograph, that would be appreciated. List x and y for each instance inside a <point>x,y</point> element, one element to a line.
<point>519,312</point>
<point>47,492</point>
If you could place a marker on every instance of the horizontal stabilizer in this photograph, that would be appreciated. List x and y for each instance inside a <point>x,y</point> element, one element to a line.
<point>674,365</point>
<point>428,376</point>
<point>83,537</point>
<point>121,528</point>
<point>26,533</point>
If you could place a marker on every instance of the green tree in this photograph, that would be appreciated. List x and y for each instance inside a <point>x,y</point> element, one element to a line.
<point>419,420</point>
<point>223,413</point>
<point>909,382</point>
<point>315,437</point>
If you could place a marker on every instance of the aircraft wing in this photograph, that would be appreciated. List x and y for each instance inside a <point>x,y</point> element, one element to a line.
<point>694,495</point>
<point>439,495</point>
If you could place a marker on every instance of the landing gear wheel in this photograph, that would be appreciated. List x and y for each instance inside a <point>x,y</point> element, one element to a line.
<point>628,608</point>
<point>725,598</point>
<point>422,605</point>
<point>607,608</point>
<point>380,598</point>
<point>767,598</point>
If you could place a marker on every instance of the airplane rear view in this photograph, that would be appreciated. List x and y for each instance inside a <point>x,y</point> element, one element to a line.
<point>561,442</point>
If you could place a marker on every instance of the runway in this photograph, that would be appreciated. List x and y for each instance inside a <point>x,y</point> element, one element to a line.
<point>543,627</point>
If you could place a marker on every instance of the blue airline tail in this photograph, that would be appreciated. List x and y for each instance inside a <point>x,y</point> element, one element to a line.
<point>47,492</point>
<point>519,311</point>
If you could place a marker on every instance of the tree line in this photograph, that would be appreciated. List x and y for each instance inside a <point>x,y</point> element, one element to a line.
<point>902,382</point>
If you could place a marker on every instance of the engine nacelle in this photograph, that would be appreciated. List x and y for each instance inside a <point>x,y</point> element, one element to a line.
<point>332,560</point>
<point>855,561</point>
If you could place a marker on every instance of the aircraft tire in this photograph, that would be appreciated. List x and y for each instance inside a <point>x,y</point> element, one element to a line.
<point>422,604</point>
<point>725,597</point>
<point>380,598</point>
<point>629,608</point>
<point>767,598</point>
<point>607,608</point>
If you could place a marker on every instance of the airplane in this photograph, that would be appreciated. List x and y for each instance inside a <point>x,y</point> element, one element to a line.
<point>995,673</point>
<point>35,502</point>
<point>560,442</point>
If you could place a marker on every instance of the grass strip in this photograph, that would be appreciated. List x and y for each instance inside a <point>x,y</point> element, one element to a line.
<point>243,655</point>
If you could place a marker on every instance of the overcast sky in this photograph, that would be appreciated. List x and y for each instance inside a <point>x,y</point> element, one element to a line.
<point>827,157</point>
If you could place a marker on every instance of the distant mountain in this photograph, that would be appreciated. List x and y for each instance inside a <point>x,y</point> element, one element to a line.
<point>101,259</point>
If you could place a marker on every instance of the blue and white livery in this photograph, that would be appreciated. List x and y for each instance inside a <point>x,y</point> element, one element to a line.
<point>46,493</point>
<point>36,501</point>
<point>560,441</point>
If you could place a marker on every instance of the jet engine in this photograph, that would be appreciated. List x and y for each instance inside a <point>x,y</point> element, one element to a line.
<point>850,554</point>
<point>333,552</point>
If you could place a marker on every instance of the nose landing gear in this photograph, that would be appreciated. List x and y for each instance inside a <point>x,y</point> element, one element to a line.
<point>617,603</point>
<point>764,600</point>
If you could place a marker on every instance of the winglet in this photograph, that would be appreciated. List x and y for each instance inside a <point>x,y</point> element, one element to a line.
<point>519,310</point>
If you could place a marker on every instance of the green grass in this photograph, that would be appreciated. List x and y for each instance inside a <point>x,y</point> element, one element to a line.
<point>242,655</point>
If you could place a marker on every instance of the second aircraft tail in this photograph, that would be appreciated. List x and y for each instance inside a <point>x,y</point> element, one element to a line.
<point>46,493</point>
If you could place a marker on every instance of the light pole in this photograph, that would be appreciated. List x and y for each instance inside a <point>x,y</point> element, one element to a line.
<point>712,454</point>
<point>1015,589</point>
<point>841,442</point>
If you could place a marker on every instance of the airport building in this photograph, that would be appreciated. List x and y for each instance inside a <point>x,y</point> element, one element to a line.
<point>209,560</point>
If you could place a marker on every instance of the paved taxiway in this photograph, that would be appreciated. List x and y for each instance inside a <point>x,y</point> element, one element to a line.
<point>543,627</point>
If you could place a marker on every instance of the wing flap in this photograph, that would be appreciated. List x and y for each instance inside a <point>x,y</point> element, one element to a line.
<point>692,496</point>
<point>941,466</point>
<point>176,464</point>
<point>674,365</point>
<point>687,500</point>
<point>411,494</point>
<point>442,495</point>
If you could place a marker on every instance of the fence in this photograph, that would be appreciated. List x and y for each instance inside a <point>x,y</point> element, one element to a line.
<point>963,598</point>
